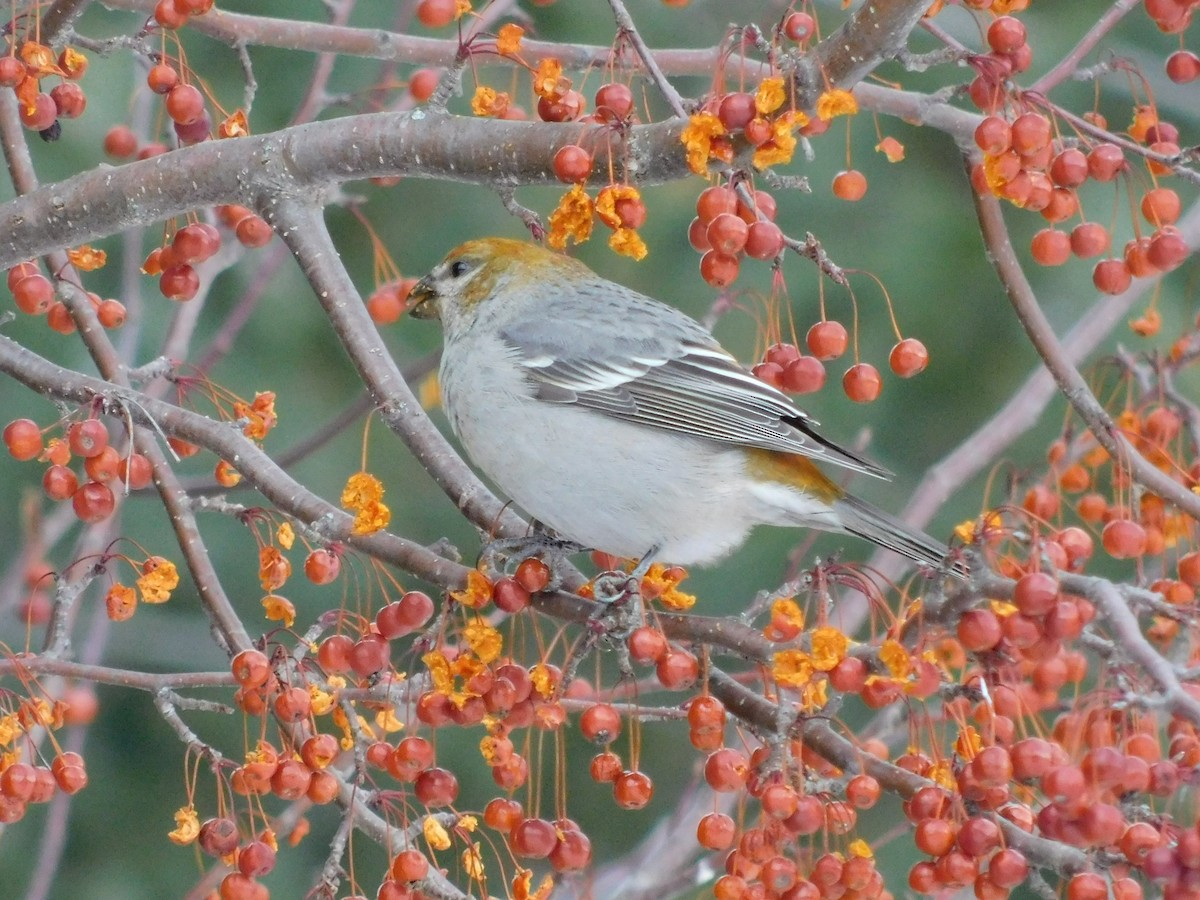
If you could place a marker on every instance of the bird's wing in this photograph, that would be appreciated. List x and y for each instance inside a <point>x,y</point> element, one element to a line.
<point>683,381</point>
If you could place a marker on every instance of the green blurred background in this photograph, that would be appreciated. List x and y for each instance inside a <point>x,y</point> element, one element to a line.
<point>913,231</point>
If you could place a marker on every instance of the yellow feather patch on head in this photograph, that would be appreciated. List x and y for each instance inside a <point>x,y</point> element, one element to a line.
<point>508,261</point>
<point>792,470</point>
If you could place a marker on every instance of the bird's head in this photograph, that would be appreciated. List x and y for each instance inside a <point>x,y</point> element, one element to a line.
<point>475,275</point>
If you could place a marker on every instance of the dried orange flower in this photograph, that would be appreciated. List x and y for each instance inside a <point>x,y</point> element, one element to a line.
<point>484,640</point>
<point>829,648</point>
<point>792,668</point>
<point>891,148</point>
<point>769,96</point>
<point>87,258</point>
<point>472,861</point>
<point>489,102</point>
<point>572,219</point>
<point>542,680</point>
<point>788,610</point>
<point>1147,324</point>
<point>436,835</point>
<point>697,136</point>
<point>837,102</point>
<point>629,243</point>
<point>260,415</point>
<point>893,655</point>
<point>159,578</point>
<point>285,535</point>
<point>861,849</point>
<point>508,39</point>
<point>120,602</point>
<point>187,826</point>
<point>234,125</point>
<point>279,609</point>
<point>523,881</point>
<point>363,495</point>
<point>477,592</point>
<point>548,80</point>
<point>274,569</point>
<point>72,62</point>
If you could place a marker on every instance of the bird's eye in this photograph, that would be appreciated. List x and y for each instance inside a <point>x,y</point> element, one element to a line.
<point>459,268</point>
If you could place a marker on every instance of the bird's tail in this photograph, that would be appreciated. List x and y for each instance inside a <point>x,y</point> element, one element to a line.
<point>872,524</point>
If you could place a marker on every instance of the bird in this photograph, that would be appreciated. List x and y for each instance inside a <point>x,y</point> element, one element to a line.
<point>620,422</point>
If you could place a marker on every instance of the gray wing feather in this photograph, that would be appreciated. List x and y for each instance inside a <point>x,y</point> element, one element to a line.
<point>673,375</point>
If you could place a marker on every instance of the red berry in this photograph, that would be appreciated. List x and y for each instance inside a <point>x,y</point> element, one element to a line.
<point>827,340</point>
<point>799,27</point>
<point>93,502</point>
<point>764,240</point>
<point>12,71</point>
<point>1167,249</point>
<point>59,482</point>
<point>1006,34</point>
<point>1050,247</point>
<point>572,164</point>
<point>908,358</point>
<point>1111,276</point>
<point>179,283</point>
<point>727,234</point>
<point>1030,133</point>
<point>1183,66</point>
<point>1069,168</point>
<point>1161,206</point>
<point>633,790</point>
<point>69,99</point>
<point>185,104</point>
<point>253,231</point>
<point>38,114</point>
<point>862,383</point>
<point>803,375</point>
<point>161,78</point>
<point>716,200</point>
<point>1123,539</point>
<point>87,438</point>
<point>736,110</point>
<point>436,13</point>
<point>719,269</point>
<point>23,439</point>
<point>1089,239</point>
<point>1105,161</point>
<point>422,83</point>
<point>993,135</point>
<point>614,101</point>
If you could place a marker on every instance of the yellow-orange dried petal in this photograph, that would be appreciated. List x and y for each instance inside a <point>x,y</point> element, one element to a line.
<point>508,39</point>
<point>279,609</point>
<point>571,219</point>
<point>87,258</point>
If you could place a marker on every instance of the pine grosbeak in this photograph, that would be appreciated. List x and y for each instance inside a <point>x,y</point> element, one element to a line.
<point>620,422</point>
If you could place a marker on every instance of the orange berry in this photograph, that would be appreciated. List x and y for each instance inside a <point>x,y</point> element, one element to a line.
<point>850,185</point>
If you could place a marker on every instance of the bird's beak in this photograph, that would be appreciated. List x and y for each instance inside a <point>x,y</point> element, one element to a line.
<point>422,300</point>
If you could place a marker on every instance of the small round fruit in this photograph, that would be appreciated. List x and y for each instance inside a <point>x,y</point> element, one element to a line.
<point>862,383</point>
<point>572,164</point>
<point>93,502</point>
<point>908,358</point>
<point>850,185</point>
<point>23,439</point>
<point>827,340</point>
<point>799,27</point>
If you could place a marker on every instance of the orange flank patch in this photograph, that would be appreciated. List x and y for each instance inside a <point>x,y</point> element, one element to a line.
<point>794,470</point>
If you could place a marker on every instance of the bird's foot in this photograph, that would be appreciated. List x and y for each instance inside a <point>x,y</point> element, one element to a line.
<point>540,544</point>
